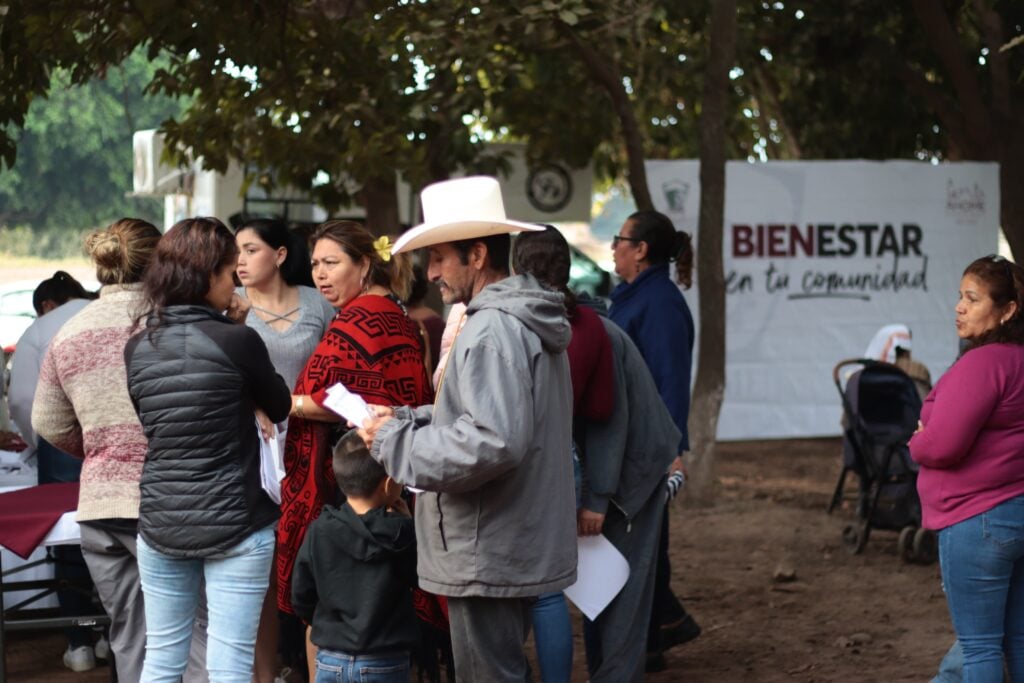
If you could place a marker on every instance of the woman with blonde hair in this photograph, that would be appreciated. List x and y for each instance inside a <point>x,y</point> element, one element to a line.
<point>371,347</point>
<point>82,407</point>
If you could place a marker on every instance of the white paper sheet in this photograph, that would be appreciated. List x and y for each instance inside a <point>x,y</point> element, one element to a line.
<point>271,461</point>
<point>600,575</point>
<point>350,406</point>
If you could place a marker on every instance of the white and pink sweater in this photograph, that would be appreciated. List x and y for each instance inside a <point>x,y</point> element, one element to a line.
<point>82,406</point>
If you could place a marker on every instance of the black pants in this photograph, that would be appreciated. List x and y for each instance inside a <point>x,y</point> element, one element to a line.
<point>667,608</point>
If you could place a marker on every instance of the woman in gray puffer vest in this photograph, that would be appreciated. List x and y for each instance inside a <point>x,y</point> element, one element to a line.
<point>196,379</point>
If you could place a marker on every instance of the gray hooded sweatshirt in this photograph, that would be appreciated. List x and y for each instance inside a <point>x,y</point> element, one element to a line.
<point>497,517</point>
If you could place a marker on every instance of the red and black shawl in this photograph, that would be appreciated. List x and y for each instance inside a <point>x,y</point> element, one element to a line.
<point>375,350</point>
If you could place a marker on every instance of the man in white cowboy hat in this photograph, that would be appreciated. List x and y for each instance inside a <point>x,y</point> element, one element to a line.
<point>495,524</point>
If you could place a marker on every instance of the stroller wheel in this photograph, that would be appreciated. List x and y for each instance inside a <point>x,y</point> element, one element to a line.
<point>926,546</point>
<point>854,538</point>
<point>906,543</point>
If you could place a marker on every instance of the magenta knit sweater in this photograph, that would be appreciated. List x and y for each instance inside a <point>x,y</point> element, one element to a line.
<point>82,405</point>
<point>971,450</point>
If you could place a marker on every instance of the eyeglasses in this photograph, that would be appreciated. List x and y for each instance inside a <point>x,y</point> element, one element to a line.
<point>620,238</point>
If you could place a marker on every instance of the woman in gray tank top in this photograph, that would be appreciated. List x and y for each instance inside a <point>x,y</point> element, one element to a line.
<point>290,317</point>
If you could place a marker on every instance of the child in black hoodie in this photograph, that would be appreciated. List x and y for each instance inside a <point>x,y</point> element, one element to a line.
<point>354,574</point>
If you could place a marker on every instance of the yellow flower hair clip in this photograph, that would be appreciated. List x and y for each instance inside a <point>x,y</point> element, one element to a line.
<point>382,246</point>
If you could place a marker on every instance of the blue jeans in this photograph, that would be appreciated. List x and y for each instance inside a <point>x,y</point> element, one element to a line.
<point>236,583</point>
<point>552,634</point>
<point>338,667</point>
<point>983,573</point>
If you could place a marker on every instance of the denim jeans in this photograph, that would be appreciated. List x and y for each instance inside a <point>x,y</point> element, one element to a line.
<point>236,583</point>
<point>338,667</point>
<point>983,573</point>
<point>552,634</point>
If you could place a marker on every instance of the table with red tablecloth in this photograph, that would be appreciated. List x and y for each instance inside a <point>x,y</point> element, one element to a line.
<point>33,518</point>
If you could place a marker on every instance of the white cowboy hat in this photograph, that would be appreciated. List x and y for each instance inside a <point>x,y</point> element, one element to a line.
<point>460,209</point>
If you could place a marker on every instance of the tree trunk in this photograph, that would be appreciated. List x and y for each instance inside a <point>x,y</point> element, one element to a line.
<point>709,388</point>
<point>605,71</point>
<point>1011,199</point>
<point>379,198</point>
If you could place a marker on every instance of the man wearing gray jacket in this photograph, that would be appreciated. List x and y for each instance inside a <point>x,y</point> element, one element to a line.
<point>495,523</point>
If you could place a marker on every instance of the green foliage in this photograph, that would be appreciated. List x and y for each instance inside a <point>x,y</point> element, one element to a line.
<point>51,243</point>
<point>74,162</point>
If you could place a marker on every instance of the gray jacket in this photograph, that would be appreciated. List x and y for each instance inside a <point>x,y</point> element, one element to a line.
<point>497,518</point>
<point>626,458</point>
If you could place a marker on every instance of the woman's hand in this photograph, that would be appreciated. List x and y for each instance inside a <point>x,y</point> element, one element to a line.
<point>588,523</point>
<point>10,441</point>
<point>238,309</point>
<point>266,425</point>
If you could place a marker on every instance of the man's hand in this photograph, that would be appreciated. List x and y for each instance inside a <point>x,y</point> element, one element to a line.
<point>238,309</point>
<point>588,523</point>
<point>371,425</point>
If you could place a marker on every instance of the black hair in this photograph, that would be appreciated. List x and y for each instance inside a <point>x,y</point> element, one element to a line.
<point>665,243</point>
<point>355,470</point>
<point>545,255</point>
<point>1004,281</point>
<point>498,247</point>
<point>295,269</point>
<point>59,289</point>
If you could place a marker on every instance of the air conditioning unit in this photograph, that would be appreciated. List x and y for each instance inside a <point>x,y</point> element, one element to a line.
<point>150,176</point>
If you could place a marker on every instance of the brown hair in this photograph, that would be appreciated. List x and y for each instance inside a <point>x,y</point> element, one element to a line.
<point>545,255</point>
<point>665,243</point>
<point>1004,281</point>
<point>394,275</point>
<point>122,250</point>
<point>186,257</point>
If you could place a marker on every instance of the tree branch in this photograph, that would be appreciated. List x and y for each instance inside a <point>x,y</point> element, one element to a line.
<point>945,43</point>
<point>600,67</point>
<point>998,61</point>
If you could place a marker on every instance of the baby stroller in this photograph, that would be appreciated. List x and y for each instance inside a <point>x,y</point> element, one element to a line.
<point>881,408</point>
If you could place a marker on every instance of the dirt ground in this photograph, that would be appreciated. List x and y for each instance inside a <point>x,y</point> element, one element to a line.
<point>844,618</point>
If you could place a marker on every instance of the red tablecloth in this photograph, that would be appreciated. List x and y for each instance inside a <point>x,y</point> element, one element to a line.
<point>26,516</point>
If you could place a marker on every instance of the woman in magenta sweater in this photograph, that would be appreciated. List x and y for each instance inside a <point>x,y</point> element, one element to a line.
<point>970,446</point>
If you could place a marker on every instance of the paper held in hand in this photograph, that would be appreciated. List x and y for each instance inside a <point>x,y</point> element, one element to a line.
<point>600,575</point>
<point>271,460</point>
<point>350,406</point>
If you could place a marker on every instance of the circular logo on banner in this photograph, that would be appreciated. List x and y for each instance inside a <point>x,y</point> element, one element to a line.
<point>549,188</point>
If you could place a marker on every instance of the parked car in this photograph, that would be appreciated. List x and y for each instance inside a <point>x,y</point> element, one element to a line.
<point>16,312</point>
<point>586,276</point>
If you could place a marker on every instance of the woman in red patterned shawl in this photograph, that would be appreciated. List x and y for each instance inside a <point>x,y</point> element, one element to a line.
<point>371,347</point>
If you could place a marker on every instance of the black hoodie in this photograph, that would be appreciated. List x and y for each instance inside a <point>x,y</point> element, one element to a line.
<point>353,581</point>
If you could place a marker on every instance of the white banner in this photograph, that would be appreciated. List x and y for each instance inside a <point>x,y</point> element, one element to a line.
<point>818,256</point>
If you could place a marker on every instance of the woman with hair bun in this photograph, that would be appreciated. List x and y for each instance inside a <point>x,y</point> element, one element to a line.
<point>82,406</point>
<point>371,347</point>
<point>650,308</point>
<point>970,444</point>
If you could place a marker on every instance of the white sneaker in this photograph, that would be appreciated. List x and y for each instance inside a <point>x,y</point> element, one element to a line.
<point>102,648</point>
<point>79,659</point>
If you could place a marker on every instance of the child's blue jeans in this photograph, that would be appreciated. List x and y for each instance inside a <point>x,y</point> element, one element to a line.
<point>338,667</point>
